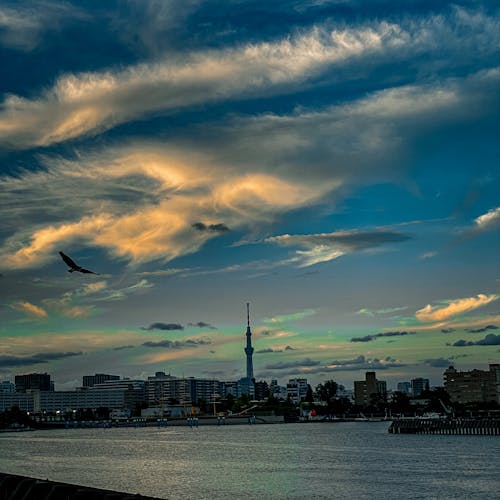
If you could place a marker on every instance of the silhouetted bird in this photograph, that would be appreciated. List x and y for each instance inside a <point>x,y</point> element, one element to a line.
<point>74,266</point>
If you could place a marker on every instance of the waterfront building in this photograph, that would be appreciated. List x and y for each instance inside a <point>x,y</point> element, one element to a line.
<point>157,389</point>
<point>53,401</point>
<point>23,400</point>
<point>33,382</point>
<point>473,386</point>
<point>296,389</point>
<point>7,387</point>
<point>366,390</point>
<point>98,378</point>
<point>418,386</point>
<point>404,387</point>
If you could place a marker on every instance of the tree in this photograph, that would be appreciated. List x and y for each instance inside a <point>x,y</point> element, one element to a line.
<point>309,395</point>
<point>327,391</point>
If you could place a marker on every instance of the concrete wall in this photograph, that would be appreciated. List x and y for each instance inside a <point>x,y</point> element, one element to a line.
<point>14,487</point>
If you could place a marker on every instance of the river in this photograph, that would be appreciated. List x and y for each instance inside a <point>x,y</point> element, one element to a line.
<point>289,461</point>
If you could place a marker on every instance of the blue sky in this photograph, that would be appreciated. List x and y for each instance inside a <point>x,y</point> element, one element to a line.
<point>335,163</point>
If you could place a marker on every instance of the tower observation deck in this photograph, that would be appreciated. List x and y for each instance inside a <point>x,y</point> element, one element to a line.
<point>249,348</point>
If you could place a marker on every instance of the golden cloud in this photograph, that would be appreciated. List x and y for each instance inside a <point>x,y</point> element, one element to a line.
<point>454,308</point>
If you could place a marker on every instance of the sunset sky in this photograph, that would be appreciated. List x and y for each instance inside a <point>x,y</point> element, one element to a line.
<point>334,163</point>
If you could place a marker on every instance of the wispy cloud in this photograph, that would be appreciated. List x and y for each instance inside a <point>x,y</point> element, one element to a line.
<point>453,308</point>
<point>178,344</point>
<point>328,246</point>
<point>34,359</point>
<point>388,310</point>
<point>283,318</point>
<point>306,362</point>
<point>438,362</point>
<point>482,329</point>
<point>30,309</point>
<point>488,220</point>
<point>80,104</point>
<point>369,338</point>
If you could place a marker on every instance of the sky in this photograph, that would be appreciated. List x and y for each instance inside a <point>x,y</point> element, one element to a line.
<point>334,163</point>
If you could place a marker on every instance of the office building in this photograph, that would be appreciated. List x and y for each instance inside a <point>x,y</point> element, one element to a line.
<point>33,382</point>
<point>7,387</point>
<point>365,391</point>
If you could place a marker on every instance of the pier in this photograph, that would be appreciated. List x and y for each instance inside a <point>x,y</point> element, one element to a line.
<point>13,487</point>
<point>452,426</point>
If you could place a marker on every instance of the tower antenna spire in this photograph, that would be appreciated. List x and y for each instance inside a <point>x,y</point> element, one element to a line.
<point>248,314</point>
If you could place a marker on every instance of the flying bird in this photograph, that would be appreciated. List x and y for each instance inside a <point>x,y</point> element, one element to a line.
<point>73,265</point>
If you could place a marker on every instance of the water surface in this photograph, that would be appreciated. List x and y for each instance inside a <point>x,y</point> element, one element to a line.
<point>293,461</point>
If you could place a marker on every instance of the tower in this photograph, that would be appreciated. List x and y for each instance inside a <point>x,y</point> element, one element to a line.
<point>249,348</point>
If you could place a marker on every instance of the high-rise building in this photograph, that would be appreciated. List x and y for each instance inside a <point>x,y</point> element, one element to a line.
<point>98,378</point>
<point>473,386</point>
<point>33,382</point>
<point>261,390</point>
<point>366,390</point>
<point>418,386</point>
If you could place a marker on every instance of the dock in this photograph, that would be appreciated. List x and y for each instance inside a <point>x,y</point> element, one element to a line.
<point>452,426</point>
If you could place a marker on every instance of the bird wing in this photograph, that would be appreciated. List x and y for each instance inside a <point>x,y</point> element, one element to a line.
<point>71,263</point>
<point>86,271</point>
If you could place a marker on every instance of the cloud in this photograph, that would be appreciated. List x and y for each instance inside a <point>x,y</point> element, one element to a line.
<point>164,326</point>
<point>202,324</point>
<point>454,308</point>
<point>488,220</point>
<point>490,339</point>
<point>447,330</point>
<point>34,359</point>
<point>218,228</point>
<point>178,344</point>
<point>22,26</point>
<point>358,363</point>
<point>388,310</point>
<point>483,329</point>
<point>122,347</point>
<point>306,362</point>
<point>438,362</point>
<point>283,318</point>
<point>90,102</point>
<point>151,192</point>
<point>369,338</point>
<point>327,246</point>
<point>30,309</point>
<point>269,350</point>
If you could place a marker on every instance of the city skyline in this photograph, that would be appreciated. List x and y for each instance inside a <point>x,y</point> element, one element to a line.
<point>335,164</point>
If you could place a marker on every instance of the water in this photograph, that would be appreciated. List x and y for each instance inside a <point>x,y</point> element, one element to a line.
<point>294,461</point>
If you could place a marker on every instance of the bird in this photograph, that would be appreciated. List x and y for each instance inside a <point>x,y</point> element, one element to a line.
<point>73,265</point>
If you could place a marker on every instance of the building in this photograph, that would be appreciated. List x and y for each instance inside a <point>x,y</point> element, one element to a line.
<point>404,387</point>
<point>261,390</point>
<point>365,391</point>
<point>23,400</point>
<point>473,386</point>
<point>418,386</point>
<point>6,386</point>
<point>98,378</point>
<point>166,389</point>
<point>63,401</point>
<point>33,382</point>
<point>296,389</point>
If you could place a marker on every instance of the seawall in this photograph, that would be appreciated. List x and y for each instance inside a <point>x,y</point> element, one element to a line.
<point>13,487</point>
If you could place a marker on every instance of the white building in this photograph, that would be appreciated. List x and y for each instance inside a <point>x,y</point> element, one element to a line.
<point>296,389</point>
